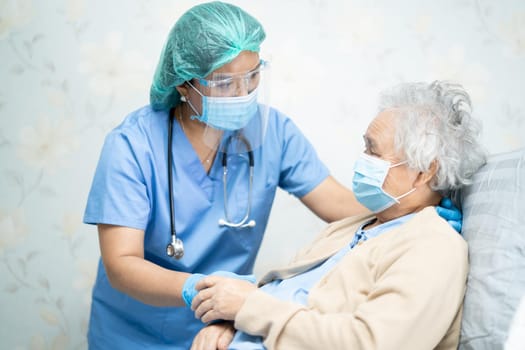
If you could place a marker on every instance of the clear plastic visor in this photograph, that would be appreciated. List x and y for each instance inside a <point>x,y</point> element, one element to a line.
<point>233,85</point>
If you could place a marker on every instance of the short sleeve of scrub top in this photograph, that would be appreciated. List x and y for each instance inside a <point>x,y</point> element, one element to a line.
<point>119,195</point>
<point>300,169</point>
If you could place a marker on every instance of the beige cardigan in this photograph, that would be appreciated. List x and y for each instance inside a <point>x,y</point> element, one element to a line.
<point>401,290</point>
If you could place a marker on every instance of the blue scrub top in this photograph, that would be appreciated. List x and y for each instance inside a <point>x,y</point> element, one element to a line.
<point>130,189</point>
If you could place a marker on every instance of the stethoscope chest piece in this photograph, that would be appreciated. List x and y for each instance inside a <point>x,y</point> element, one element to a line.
<point>175,249</point>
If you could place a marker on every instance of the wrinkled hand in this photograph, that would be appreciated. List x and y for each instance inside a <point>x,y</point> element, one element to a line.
<point>188,289</point>
<point>220,298</point>
<point>214,337</point>
<point>450,213</point>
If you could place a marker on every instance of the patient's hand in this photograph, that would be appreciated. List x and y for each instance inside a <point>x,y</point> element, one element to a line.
<point>220,298</point>
<point>214,337</point>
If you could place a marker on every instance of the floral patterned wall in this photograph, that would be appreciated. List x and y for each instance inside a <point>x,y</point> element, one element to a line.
<point>71,70</point>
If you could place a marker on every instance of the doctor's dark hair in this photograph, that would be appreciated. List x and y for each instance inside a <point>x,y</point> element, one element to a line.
<point>205,38</point>
<point>434,123</point>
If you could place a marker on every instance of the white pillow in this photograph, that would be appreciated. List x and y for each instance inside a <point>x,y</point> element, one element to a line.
<point>516,338</point>
<point>494,227</point>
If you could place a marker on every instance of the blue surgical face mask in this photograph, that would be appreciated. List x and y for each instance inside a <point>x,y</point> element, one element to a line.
<point>226,113</point>
<point>369,176</point>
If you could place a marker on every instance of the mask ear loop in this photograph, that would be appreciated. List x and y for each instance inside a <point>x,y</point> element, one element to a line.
<point>398,164</point>
<point>403,195</point>
<point>187,100</point>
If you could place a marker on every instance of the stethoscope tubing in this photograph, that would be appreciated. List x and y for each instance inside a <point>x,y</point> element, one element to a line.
<point>242,223</point>
<point>170,174</point>
<point>176,248</point>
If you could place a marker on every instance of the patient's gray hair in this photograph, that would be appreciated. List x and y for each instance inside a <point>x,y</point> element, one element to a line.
<point>434,122</point>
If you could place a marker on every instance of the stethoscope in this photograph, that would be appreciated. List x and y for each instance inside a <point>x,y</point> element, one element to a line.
<point>175,248</point>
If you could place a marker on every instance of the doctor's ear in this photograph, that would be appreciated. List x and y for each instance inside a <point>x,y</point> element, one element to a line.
<point>183,91</point>
<point>427,176</point>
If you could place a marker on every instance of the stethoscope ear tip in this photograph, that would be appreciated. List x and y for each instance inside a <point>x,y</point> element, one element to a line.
<point>251,223</point>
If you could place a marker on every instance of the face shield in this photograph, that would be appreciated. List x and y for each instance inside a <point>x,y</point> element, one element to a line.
<point>234,108</point>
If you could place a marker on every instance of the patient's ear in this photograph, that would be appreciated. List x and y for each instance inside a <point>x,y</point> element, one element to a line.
<point>425,178</point>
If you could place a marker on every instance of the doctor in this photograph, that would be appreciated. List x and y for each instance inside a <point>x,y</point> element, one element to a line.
<point>185,185</point>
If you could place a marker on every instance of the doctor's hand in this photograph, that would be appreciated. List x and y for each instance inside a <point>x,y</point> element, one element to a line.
<point>220,298</point>
<point>448,211</point>
<point>216,336</point>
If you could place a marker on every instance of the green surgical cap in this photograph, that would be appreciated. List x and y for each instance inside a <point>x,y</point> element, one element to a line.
<point>205,38</point>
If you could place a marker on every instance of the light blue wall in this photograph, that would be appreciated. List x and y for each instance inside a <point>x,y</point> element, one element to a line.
<point>71,70</point>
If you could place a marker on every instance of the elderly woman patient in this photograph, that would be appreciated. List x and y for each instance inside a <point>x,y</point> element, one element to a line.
<point>391,280</point>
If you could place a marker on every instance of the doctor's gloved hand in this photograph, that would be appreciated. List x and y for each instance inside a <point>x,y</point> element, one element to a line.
<point>448,211</point>
<point>188,289</point>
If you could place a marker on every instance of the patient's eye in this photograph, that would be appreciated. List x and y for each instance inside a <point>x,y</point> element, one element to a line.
<point>372,152</point>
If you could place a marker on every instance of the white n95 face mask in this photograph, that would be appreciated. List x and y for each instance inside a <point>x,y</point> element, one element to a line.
<point>369,176</point>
